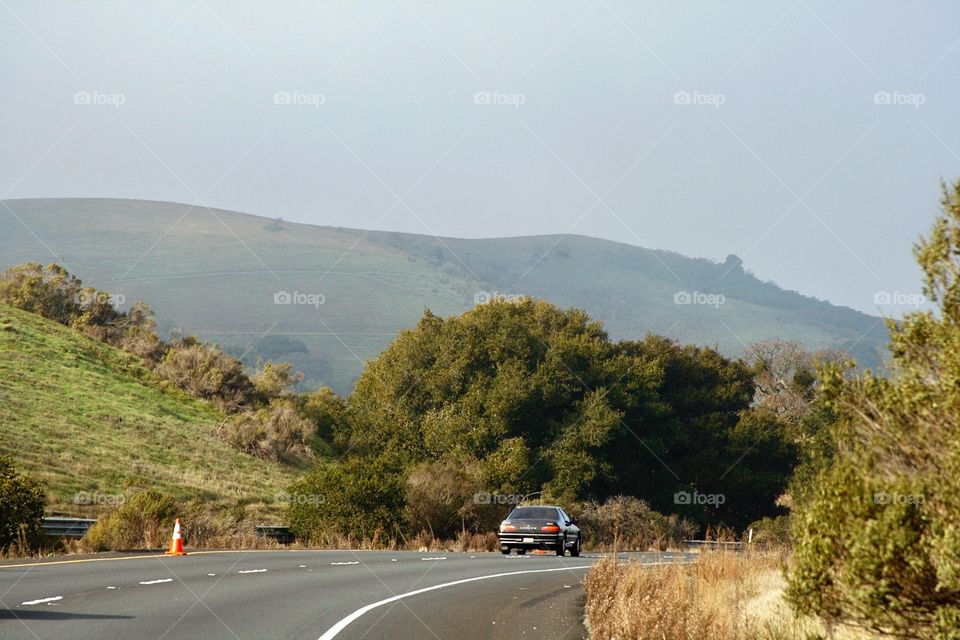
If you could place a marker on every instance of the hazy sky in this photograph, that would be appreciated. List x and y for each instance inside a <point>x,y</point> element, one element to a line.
<point>483,119</point>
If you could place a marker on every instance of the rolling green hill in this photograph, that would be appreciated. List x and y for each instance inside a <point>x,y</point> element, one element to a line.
<point>82,416</point>
<point>216,273</point>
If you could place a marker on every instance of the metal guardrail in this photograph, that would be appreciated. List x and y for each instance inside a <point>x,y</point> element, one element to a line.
<point>78,527</point>
<point>712,544</point>
<point>67,527</point>
<point>283,535</point>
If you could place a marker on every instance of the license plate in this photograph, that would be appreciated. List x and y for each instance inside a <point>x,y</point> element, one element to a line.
<point>528,539</point>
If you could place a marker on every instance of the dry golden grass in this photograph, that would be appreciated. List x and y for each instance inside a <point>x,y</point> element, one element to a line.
<point>723,595</point>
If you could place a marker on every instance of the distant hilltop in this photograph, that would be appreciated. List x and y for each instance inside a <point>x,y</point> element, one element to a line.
<point>329,298</point>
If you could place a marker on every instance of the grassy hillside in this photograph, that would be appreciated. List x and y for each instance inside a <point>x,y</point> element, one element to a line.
<point>215,273</point>
<point>83,416</point>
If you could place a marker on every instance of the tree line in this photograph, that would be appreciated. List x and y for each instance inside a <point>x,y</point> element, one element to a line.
<point>509,399</point>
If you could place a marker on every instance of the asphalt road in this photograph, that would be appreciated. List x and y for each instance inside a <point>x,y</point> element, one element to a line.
<point>309,595</point>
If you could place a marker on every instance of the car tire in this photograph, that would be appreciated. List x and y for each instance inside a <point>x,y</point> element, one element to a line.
<point>521,552</point>
<point>505,550</point>
<point>561,546</point>
<point>575,549</point>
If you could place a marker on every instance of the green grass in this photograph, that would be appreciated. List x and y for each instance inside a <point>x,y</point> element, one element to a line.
<point>214,273</point>
<point>81,416</point>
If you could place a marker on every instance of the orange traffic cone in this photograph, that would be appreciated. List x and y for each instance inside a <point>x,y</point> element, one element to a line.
<point>176,542</point>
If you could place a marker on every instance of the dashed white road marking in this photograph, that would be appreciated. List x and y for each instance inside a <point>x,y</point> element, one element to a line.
<point>253,571</point>
<point>111,587</point>
<point>211,575</point>
<point>393,560</point>
<point>157,581</point>
<point>40,601</point>
<point>335,630</point>
<point>441,558</point>
<point>342,563</point>
<point>303,566</point>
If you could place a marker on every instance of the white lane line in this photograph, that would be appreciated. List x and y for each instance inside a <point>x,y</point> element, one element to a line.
<point>253,571</point>
<point>336,564</point>
<point>333,631</point>
<point>40,601</point>
<point>157,581</point>
<point>443,558</point>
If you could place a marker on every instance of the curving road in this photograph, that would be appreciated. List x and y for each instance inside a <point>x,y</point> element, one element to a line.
<point>309,595</point>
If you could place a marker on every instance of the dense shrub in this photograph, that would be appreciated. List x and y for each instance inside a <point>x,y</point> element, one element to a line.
<point>877,536</point>
<point>48,291</point>
<point>21,508</point>
<point>203,371</point>
<point>144,521</point>
<point>358,498</point>
<point>327,411</point>
<point>55,294</point>
<point>140,337</point>
<point>275,380</point>
<point>628,523</point>
<point>276,432</point>
<point>442,498</point>
<point>769,531</point>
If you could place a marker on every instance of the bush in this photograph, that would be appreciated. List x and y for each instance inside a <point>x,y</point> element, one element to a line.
<point>327,411</point>
<point>205,372</point>
<point>275,380</point>
<point>770,531</point>
<point>628,523</point>
<point>274,433</point>
<point>48,291</point>
<point>441,499</point>
<point>877,536</point>
<point>358,499</point>
<point>55,294</point>
<point>21,508</point>
<point>144,521</point>
<point>140,337</point>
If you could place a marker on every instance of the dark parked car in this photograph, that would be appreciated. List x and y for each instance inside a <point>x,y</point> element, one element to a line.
<point>539,527</point>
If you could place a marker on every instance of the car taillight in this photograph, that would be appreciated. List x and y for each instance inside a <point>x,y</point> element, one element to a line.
<point>507,527</point>
<point>550,528</point>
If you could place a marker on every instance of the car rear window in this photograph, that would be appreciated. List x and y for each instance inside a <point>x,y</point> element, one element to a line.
<point>533,513</point>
